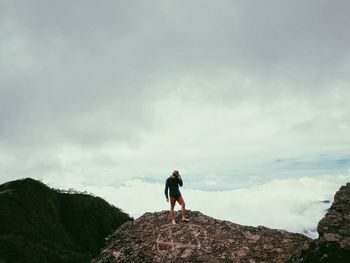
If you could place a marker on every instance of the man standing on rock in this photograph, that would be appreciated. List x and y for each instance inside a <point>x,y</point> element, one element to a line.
<point>172,184</point>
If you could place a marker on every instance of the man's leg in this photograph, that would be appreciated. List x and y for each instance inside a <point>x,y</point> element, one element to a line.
<point>172,213</point>
<point>183,208</point>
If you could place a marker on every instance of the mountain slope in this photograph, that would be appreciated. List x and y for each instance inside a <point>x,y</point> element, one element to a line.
<point>151,238</point>
<point>39,224</point>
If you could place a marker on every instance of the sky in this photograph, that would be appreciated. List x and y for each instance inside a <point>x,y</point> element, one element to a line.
<point>234,94</point>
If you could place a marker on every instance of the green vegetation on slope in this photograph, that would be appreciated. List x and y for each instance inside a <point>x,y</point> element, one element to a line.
<point>39,224</point>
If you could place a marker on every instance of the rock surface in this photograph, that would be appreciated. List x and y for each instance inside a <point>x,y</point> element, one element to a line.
<point>333,244</point>
<point>151,238</point>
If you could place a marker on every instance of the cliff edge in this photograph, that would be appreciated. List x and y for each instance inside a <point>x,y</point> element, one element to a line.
<point>333,244</point>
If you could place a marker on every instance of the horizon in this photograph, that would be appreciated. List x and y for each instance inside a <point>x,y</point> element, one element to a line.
<point>274,208</point>
<point>240,97</point>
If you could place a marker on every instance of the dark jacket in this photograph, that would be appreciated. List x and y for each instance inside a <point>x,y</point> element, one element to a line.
<point>172,184</point>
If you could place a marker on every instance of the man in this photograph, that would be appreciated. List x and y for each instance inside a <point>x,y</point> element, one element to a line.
<point>172,184</point>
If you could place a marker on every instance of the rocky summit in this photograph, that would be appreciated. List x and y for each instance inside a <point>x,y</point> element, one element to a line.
<point>151,238</point>
<point>333,244</point>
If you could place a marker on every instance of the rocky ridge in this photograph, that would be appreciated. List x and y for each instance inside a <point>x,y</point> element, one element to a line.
<point>333,244</point>
<point>151,238</point>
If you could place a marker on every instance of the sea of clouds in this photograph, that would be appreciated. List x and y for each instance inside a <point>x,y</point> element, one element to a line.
<point>294,205</point>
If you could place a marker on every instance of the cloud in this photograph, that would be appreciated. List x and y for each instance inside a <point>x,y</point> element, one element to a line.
<point>294,205</point>
<point>122,90</point>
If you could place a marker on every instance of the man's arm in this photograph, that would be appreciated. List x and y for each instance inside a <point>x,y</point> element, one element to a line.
<point>180,181</point>
<point>166,189</point>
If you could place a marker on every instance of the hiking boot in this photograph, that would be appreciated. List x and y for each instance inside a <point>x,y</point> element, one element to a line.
<point>185,220</point>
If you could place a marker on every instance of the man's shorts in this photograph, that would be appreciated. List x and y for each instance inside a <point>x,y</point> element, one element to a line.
<point>179,199</point>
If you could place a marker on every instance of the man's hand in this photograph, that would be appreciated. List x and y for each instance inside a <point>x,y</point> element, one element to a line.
<point>167,200</point>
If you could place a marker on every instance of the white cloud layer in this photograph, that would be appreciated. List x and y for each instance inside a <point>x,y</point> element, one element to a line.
<point>293,205</point>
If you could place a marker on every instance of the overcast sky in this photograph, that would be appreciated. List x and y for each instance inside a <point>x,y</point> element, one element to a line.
<point>231,93</point>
